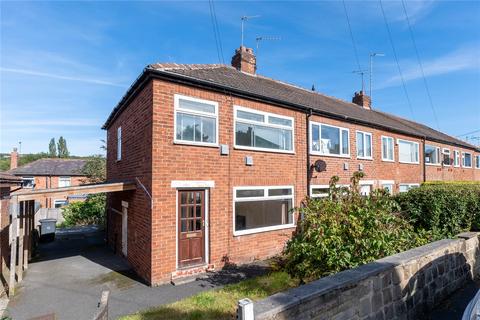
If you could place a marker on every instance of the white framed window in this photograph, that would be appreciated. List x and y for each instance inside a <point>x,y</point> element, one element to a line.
<point>364,145</point>
<point>64,182</point>
<point>323,190</point>
<point>387,149</point>
<point>366,187</point>
<point>467,159</point>
<point>59,203</point>
<point>259,209</point>
<point>195,121</point>
<point>456,158</point>
<point>258,130</point>
<point>404,187</point>
<point>388,185</point>
<point>408,151</point>
<point>477,161</point>
<point>328,140</point>
<point>119,143</point>
<point>432,155</point>
<point>28,182</point>
<point>447,161</point>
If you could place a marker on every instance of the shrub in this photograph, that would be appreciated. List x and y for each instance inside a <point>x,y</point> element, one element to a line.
<point>444,208</point>
<point>345,230</point>
<point>90,211</point>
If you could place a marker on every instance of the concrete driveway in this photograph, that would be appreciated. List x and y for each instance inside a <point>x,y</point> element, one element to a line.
<point>68,276</point>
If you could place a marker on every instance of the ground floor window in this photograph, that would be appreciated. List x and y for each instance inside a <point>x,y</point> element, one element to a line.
<point>366,188</point>
<point>404,187</point>
<point>260,209</point>
<point>387,185</point>
<point>59,203</point>
<point>323,191</point>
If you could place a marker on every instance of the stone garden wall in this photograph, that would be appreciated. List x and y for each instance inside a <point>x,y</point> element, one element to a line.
<point>402,286</point>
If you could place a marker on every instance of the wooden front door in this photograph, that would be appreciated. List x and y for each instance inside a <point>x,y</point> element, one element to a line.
<point>191,227</point>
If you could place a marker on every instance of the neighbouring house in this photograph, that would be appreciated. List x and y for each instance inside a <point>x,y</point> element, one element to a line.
<point>7,183</point>
<point>222,155</point>
<point>48,173</point>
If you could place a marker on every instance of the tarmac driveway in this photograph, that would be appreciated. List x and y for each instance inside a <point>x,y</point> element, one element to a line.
<point>65,281</point>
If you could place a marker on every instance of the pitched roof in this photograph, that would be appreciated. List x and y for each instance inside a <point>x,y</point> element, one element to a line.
<point>51,167</point>
<point>225,77</point>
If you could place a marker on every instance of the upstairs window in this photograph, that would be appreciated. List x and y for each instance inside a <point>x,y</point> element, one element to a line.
<point>387,149</point>
<point>432,154</point>
<point>64,182</point>
<point>456,158</point>
<point>467,160</point>
<point>364,145</point>
<point>258,130</point>
<point>196,121</point>
<point>329,140</point>
<point>447,161</point>
<point>28,182</point>
<point>119,143</point>
<point>408,151</point>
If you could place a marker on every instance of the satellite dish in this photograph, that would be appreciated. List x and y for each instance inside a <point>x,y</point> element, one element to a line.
<point>320,166</point>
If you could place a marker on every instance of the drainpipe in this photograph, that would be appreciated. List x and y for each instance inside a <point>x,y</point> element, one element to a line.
<point>307,122</point>
<point>422,158</point>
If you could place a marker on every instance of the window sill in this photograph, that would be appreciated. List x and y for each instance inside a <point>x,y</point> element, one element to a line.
<point>433,164</point>
<point>365,158</point>
<point>263,150</point>
<point>404,162</point>
<point>195,144</point>
<point>314,153</point>
<point>261,230</point>
<point>388,160</point>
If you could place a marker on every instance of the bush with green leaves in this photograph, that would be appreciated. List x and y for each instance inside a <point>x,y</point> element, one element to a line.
<point>90,211</point>
<point>345,230</point>
<point>444,208</point>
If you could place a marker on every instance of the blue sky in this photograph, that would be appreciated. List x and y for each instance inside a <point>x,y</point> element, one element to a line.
<point>65,65</point>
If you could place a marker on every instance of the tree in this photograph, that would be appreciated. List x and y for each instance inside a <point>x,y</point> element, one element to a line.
<point>62,148</point>
<point>95,170</point>
<point>52,148</point>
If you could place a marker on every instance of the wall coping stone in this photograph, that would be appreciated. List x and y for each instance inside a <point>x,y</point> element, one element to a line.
<point>468,235</point>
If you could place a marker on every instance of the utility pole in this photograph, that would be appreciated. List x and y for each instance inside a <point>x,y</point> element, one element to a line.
<point>372,55</point>
<point>244,19</point>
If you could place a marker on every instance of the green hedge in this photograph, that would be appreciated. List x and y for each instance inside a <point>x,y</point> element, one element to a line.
<point>90,211</point>
<point>444,208</point>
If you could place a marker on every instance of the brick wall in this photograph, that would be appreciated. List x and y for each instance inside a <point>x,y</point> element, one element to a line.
<point>402,286</point>
<point>4,234</point>
<point>149,153</point>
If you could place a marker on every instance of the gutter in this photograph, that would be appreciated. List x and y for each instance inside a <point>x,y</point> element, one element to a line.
<point>149,74</point>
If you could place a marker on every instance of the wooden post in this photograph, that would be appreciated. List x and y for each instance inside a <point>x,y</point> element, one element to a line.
<point>26,232</point>
<point>32,227</point>
<point>21,230</point>
<point>13,246</point>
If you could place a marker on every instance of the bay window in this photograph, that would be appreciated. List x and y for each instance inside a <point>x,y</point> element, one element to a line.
<point>408,151</point>
<point>432,154</point>
<point>258,130</point>
<point>258,209</point>
<point>467,160</point>
<point>387,149</point>
<point>364,145</point>
<point>329,140</point>
<point>196,121</point>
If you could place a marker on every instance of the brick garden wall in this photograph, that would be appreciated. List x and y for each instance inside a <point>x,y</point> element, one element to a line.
<point>402,286</point>
<point>4,233</point>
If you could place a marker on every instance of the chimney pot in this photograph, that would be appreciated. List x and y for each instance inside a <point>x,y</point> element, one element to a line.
<point>361,99</point>
<point>14,159</point>
<point>244,60</point>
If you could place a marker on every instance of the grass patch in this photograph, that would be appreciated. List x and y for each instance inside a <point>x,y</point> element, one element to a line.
<point>219,303</point>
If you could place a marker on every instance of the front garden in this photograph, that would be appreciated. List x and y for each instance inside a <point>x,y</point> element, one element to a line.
<point>339,232</point>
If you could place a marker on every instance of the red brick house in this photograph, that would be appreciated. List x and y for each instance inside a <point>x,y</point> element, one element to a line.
<point>48,173</point>
<point>223,154</point>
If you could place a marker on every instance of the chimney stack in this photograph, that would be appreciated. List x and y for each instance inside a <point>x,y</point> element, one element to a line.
<point>362,100</point>
<point>14,159</point>
<point>244,60</point>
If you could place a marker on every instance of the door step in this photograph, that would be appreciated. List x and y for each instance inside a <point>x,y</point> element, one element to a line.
<point>183,276</point>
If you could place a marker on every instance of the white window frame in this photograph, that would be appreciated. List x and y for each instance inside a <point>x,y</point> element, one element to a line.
<point>393,148</point>
<point>65,178</point>
<point>437,151</point>
<point>477,161</point>
<point>319,153</point>
<point>364,133</point>
<point>177,109</point>
<point>444,152</point>
<point>418,151</point>
<point>323,186</point>
<point>265,197</point>
<point>119,143</point>
<point>59,201</point>
<point>463,159</point>
<point>30,178</point>
<point>383,183</point>
<point>409,185</point>
<point>457,159</point>
<point>265,124</point>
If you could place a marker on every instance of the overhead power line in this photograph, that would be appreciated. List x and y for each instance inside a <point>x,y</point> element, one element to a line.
<point>351,35</point>
<point>396,60</point>
<point>216,32</point>
<point>421,65</point>
<point>466,134</point>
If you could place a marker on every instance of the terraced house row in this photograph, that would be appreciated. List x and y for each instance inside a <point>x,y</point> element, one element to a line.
<point>222,155</point>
